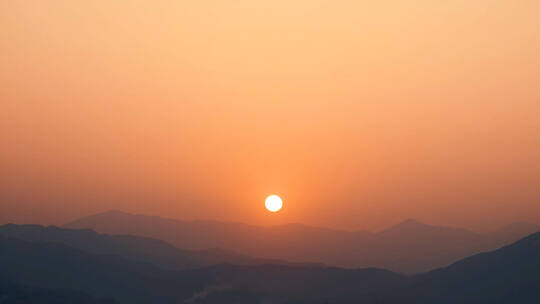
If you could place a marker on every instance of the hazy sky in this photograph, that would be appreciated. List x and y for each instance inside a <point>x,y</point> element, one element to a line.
<point>357,113</point>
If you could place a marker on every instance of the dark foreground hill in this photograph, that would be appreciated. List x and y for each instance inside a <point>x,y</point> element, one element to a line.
<point>409,247</point>
<point>13,293</point>
<point>507,275</point>
<point>135,248</point>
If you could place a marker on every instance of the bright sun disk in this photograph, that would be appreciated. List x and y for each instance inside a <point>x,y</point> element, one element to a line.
<point>273,203</point>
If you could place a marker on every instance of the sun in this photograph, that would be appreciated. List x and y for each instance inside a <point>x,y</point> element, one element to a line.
<point>273,203</point>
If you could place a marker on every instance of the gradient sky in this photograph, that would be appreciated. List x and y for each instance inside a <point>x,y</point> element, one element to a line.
<point>359,114</point>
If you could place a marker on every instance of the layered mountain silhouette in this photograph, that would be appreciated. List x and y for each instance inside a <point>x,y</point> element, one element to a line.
<point>506,275</point>
<point>135,248</point>
<point>409,247</point>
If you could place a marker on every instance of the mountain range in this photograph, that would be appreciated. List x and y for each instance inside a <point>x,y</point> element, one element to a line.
<point>61,269</point>
<point>409,247</point>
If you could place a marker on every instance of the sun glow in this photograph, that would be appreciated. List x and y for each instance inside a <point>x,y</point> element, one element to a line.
<point>273,203</point>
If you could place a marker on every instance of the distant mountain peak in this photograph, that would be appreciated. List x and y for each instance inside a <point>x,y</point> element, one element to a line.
<point>407,225</point>
<point>114,212</point>
<point>411,221</point>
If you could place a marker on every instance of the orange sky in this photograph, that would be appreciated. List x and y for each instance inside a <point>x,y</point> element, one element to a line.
<point>357,113</point>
